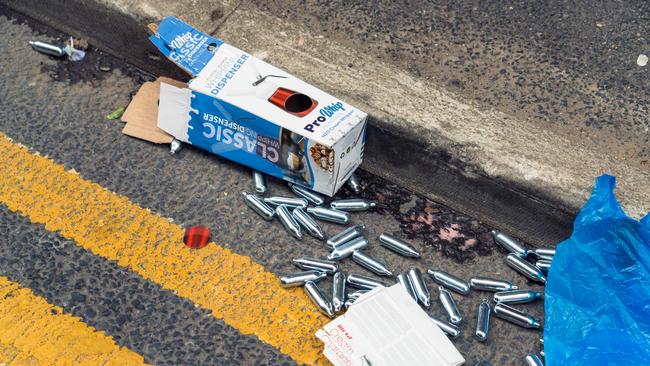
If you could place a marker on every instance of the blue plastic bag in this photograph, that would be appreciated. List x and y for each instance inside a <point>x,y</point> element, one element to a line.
<point>597,297</point>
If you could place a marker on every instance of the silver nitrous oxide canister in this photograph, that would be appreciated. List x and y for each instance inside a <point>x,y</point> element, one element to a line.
<point>352,205</point>
<point>319,299</point>
<point>525,268</point>
<point>257,205</point>
<point>363,282</point>
<point>308,223</point>
<point>449,329</point>
<point>449,281</point>
<point>346,249</point>
<point>311,196</point>
<point>300,278</point>
<point>339,281</point>
<point>288,221</point>
<point>515,316</point>
<point>322,265</point>
<point>287,201</point>
<point>449,305</point>
<point>490,284</point>
<point>403,280</point>
<point>330,215</point>
<point>398,246</point>
<point>354,184</point>
<point>517,296</point>
<point>510,244</point>
<point>370,263</point>
<point>345,236</point>
<point>419,286</point>
<point>483,320</point>
<point>259,182</point>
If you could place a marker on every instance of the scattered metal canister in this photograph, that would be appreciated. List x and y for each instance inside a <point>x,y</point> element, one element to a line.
<point>510,244</point>
<point>306,193</point>
<point>338,291</point>
<point>374,265</point>
<point>419,286</point>
<point>525,268</point>
<point>398,246</point>
<point>308,223</point>
<point>449,281</point>
<point>308,263</point>
<point>349,302</point>
<point>450,330</point>
<point>515,316</point>
<point>300,278</point>
<point>330,215</point>
<point>288,221</point>
<point>363,283</point>
<point>354,184</point>
<point>482,363</point>
<point>517,296</point>
<point>47,48</point>
<point>287,201</point>
<point>483,320</point>
<point>346,249</point>
<point>544,258</point>
<point>544,265</point>
<point>355,295</point>
<point>259,182</point>
<point>175,146</point>
<point>346,235</point>
<point>544,252</point>
<point>449,305</point>
<point>257,205</point>
<point>319,299</point>
<point>353,204</point>
<point>490,284</point>
<point>403,280</point>
<point>351,298</point>
<point>533,360</point>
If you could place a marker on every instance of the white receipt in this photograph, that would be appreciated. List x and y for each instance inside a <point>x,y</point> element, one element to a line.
<point>387,328</point>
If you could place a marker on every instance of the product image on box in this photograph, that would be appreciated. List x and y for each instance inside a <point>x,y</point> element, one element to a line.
<point>295,103</point>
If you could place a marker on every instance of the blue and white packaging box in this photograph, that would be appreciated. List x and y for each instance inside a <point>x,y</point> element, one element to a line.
<point>246,110</point>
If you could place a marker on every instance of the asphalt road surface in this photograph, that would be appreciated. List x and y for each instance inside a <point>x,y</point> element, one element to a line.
<point>115,262</point>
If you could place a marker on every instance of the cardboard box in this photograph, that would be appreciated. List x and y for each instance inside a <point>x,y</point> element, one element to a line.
<point>246,110</point>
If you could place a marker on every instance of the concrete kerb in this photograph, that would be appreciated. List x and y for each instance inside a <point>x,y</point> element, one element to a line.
<point>396,151</point>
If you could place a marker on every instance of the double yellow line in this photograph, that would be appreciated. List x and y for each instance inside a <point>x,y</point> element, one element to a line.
<point>33,332</point>
<point>236,289</point>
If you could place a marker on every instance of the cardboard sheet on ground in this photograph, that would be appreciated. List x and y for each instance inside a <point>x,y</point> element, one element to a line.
<point>389,329</point>
<point>141,116</point>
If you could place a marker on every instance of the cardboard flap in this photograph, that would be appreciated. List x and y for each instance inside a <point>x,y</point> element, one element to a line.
<point>173,111</point>
<point>185,46</point>
<point>141,115</point>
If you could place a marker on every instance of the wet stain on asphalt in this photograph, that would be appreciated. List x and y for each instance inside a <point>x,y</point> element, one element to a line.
<point>455,236</point>
<point>452,234</point>
<point>389,197</point>
<point>90,68</point>
<point>97,65</point>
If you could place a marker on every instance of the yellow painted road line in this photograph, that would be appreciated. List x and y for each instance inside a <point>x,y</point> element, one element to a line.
<point>232,286</point>
<point>33,332</point>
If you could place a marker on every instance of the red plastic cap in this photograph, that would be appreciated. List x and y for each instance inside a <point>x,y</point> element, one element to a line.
<point>196,237</point>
